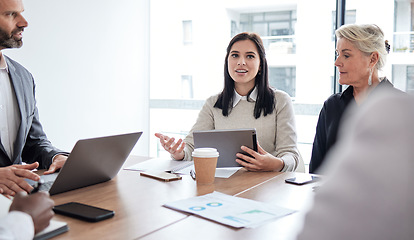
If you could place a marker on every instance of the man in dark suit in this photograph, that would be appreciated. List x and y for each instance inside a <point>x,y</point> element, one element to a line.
<point>22,137</point>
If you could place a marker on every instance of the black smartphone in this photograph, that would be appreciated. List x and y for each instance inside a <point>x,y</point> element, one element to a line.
<point>300,180</point>
<point>83,211</point>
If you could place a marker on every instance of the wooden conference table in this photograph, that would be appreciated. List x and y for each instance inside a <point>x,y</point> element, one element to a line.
<point>139,214</point>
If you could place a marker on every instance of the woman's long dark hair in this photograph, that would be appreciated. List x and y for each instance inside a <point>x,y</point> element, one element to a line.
<point>265,101</point>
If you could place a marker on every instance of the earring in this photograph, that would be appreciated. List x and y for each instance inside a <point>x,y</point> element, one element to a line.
<point>370,77</point>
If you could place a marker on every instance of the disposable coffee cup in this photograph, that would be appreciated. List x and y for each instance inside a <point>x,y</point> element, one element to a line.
<point>205,163</point>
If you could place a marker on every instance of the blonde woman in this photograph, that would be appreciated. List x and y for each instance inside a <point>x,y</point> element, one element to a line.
<point>361,52</point>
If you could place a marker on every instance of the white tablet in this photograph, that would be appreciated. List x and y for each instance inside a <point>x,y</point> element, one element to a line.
<point>227,142</point>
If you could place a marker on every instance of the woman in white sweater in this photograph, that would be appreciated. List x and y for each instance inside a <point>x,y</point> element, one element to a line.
<point>247,101</point>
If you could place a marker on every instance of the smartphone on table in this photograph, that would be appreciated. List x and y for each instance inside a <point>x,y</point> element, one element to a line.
<point>302,179</point>
<point>83,211</point>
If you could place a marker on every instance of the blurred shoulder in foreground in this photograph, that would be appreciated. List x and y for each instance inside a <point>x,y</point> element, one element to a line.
<point>369,194</point>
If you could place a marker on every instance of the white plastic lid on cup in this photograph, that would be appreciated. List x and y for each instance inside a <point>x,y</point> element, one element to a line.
<point>205,152</point>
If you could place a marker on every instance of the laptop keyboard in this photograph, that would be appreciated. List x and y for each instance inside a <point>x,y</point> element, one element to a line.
<point>46,186</point>
<point>47,181</point>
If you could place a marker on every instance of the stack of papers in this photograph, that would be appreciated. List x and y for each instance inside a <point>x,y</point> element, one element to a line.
<point>229,210</point>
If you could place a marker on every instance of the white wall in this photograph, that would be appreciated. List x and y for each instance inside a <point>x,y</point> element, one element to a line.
<point>90,60</point>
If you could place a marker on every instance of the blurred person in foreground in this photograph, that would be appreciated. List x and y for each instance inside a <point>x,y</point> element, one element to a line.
<point>28,215</point>
<point>369,194</point>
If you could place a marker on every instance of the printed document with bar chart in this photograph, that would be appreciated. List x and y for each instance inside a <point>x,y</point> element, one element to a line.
<point>229,210</point>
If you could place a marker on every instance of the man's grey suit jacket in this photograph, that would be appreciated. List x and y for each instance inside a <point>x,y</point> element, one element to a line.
<point>31,143</point>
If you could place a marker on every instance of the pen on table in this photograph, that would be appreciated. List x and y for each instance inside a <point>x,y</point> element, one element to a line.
<point>192,174</point>
<point>37,187</point>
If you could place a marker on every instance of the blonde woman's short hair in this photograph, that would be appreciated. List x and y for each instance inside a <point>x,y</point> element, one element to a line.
<point>368,38</point>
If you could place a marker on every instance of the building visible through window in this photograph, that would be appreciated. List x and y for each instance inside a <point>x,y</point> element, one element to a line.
<point>275,28</point>
<point>187,32</point>
<point>283,78</point>
<point>350,18</point>
<point>187,87</point>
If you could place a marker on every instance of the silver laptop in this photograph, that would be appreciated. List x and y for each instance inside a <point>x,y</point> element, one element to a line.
<point>91,161</point>
<point>227,142</point>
